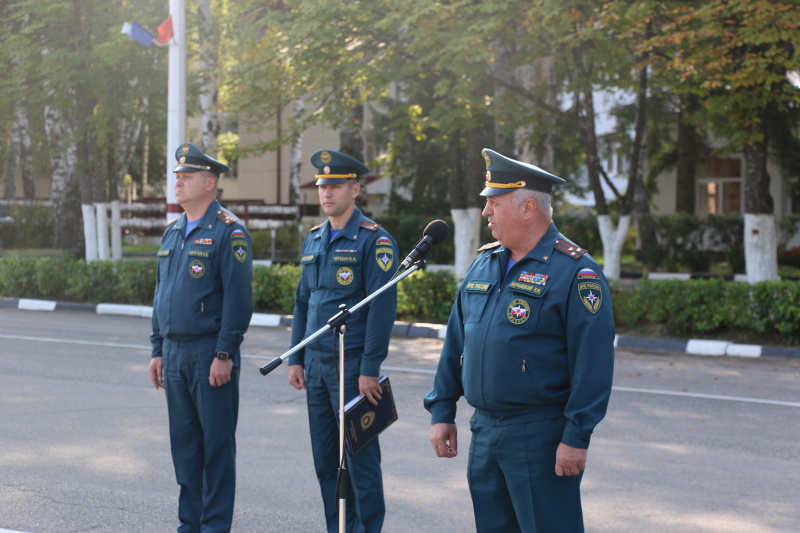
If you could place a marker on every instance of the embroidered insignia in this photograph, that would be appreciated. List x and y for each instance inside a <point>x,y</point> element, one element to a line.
<point>184,149</point>
<point>572,250</point>
<point>383,241</point>
<point>478,286</point>
<point>519,311</point>
<point>204,242</point>
<point>199,253</point>
<point>239,247</point>
<point>197,269</point>
<point>487,159</point>
<point>587,273</point>
<point>225,217</point>
<point>325,157</point>
<point>163,253</point>
<point>385,257</point>
<point>344,276</point>
<point>237,233</point>
<point>591,295</point>
<point>533,278</point>
<point>372,226</point>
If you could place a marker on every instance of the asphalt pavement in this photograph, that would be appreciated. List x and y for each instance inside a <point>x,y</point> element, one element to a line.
<point>690,443</point>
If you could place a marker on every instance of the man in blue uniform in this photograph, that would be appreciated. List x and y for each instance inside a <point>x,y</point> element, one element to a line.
<point>344,260</point>
<point>201,310</point>
<point>530,345</point>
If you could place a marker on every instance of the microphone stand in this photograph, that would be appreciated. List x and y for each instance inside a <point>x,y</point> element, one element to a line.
<point>338,323</point>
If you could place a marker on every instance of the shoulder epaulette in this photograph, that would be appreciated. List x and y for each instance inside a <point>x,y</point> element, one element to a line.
<point>226,216</point>
<point>372,226</point>
<point>315,228</point>
<point>489,246</point>
<point>570,249</point>
<point>171,222</point>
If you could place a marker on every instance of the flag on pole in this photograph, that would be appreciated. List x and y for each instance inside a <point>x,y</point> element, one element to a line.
<point>142,36</point>
<point>165,31</point>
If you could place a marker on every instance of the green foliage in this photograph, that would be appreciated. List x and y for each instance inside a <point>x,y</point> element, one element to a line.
<point>274,288</point>
<point>426,297</point>
<point>136,281</point>
<point>714,307</point>
<point>63,279</point>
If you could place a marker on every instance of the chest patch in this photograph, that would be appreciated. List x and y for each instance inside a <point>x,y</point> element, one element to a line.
<point>518,311</point>
<point>344,276</point>
<point>197,269</point>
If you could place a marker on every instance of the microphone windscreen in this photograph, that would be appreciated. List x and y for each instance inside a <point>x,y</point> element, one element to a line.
<point>437,230</point>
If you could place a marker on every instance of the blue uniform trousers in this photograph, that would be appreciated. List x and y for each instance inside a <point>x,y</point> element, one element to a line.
<point>365,504</point>
<point>512,478</point>
<point>202,427</point>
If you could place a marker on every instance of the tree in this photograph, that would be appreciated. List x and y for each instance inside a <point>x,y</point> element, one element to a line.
<point>735,54</point>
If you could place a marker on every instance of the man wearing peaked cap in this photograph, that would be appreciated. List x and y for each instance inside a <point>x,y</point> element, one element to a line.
<point>345,259</point>
<point>530,346</point>
<point>201,310</point>
<point>190,158</point>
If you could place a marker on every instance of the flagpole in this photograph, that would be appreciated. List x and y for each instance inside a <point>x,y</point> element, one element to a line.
<point>176,99</point>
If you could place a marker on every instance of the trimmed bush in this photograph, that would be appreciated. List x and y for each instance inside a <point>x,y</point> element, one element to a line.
<point>274,288</point>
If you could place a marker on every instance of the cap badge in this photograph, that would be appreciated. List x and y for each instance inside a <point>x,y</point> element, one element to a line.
<point>184,150</point>
<point>182,160</point>
<point>487,159</point>
<point>325,157</point>
<point>326,170</point>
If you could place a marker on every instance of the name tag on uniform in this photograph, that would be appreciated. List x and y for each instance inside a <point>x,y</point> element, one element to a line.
<point>478,286</point>
<point>526,287</point>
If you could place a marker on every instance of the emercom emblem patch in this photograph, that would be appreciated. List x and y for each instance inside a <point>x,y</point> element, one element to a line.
<point>591,295</point>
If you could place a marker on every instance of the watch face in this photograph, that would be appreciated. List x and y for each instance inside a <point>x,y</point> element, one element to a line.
<point>223,356</point>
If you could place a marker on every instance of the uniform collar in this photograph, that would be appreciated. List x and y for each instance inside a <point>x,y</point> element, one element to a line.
<point>350,230</point>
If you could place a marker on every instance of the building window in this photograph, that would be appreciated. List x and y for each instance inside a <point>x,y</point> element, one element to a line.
<point>719,186</point>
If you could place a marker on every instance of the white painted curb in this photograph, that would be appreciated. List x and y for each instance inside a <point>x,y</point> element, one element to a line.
<point>704,347</point>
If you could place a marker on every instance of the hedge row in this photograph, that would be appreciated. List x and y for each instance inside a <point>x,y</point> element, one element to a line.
<point>693,308</point>
<point>422,297</point>
<point>768,310</point>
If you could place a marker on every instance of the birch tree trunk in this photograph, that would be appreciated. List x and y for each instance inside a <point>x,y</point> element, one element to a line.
<point>760,238</point>
<point>296,154</point>
<point>65,191</point>
<point>208,77</point>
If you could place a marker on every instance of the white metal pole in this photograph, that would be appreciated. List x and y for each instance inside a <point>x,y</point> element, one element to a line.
<point>176,99</point>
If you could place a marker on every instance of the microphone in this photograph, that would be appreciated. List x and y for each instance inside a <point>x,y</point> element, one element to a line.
<point>434,233</point>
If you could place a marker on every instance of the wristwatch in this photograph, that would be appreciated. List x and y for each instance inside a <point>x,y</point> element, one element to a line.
<point>223,356</point>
